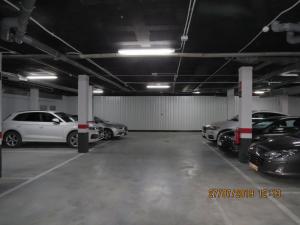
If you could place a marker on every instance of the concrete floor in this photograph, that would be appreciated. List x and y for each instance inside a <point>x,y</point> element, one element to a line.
<point>144,178</point>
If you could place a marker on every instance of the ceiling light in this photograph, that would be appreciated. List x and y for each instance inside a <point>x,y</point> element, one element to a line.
<point>146,51</point>
<point>197,92</point>
<point>158,86</point>
<point>290,74</point>
<point>98,91</point>
<point>259,92</point>
<point>41,77</point>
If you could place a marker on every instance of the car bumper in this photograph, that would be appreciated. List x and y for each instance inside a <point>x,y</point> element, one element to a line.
<point>120,132</point>
<point>94,136</point>
<point>211,135</point>
<point>273,167</point>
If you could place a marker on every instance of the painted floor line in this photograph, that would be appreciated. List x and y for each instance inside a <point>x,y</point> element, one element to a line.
<point>226,219</point>
<point>47,172</point>
<point>281,206</point>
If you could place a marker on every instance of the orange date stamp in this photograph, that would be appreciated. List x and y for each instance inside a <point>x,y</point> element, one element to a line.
<point>244,193</point>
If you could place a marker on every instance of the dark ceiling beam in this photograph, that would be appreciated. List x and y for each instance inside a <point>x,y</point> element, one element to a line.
<point>59,56</point>
<point>175,55</point>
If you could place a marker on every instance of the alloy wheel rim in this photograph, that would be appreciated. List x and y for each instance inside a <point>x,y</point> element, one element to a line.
<point>74,140</point>
<point>11,140</point>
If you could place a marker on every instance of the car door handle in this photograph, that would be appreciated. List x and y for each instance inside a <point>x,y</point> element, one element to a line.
<point>41,127</point>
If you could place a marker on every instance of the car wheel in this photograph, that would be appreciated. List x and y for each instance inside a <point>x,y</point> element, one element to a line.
<point>73,139</point>
<point>108,134</point>
<point>219,140</point>
<point>12,139</point>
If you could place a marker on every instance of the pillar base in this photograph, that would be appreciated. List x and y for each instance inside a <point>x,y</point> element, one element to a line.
<point>243,149</point>
<point>83,142</point>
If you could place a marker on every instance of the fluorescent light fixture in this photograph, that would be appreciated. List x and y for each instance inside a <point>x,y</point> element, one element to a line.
<point>42,77</point>
<point>146,51</point>
<point>158,86</point>
<point>197,92</point>
<point>259,92</point>
<point>98,91</point>
<point>290,74</point>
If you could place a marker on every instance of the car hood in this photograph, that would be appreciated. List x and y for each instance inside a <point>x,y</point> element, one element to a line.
<point>117,125</point>
<point>226,124</point>
<point>281,143</point>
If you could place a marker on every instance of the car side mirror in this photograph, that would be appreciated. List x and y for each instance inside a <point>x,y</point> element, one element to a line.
<point>55,121</point>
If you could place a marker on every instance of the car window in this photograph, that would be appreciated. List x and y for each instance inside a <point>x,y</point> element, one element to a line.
<point>21,117</point>
<point>262,125</point>
<point>33,117</point>
<point>98,120</point>
<point>258,116</point>
<point>64,117</point>
<point>47,117</point>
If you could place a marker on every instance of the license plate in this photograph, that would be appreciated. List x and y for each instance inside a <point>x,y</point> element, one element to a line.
<point>253,166</point>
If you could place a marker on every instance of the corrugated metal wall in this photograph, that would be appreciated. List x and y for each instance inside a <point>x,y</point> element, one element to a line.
<point>161,112</point>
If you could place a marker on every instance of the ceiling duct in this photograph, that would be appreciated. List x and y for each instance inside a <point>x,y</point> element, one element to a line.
<point>292,31</point>
<point>13,29</point>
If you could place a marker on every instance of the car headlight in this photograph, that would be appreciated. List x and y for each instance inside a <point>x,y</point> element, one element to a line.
<point>93,127</point>
<point>252,147</point>
<point>282,155</point>
<point>212,127</point>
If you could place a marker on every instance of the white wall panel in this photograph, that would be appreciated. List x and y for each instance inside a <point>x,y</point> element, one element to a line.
<point>13,103</point>
<point>294,106</point>
<point>161,112</point>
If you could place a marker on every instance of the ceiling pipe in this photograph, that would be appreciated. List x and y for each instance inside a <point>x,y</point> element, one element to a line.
<point>13,29</point>
<point>64,42</point>
<point>173,55</point>
<point>59,56</point>
<point>19,25</point>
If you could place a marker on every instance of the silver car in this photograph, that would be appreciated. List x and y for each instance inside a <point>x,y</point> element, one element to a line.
<point>213,131</point>
<point>111,129</point>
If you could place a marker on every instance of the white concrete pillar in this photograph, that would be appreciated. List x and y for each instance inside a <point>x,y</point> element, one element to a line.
<point>83,106</point>
<point>91,108</point>
<point>1,134</point>
<point>230,103</point>
<point>245,112</point>
<point>34,99</point>
<point>284,104</point>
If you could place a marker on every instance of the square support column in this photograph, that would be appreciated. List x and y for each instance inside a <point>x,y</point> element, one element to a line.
<point>34,99</point>
<point>245,112</point>
<point>91,108</point>
<point>1,134</point>
<point>83,106</point>
<point>230,103</point>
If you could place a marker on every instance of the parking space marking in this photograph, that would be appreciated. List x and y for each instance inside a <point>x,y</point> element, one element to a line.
<point>281,206</point>
<point>224,216</point>
<point>15,178</point>
<point>39,151</point>
<point>47,172</point>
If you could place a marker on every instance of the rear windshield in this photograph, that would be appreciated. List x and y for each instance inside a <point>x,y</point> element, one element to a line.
<point>64,116</point>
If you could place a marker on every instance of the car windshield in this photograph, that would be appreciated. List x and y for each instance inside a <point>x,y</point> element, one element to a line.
<point>98,120</point>
<point>263,124</point>
<point>64,116</point>
<point>236,118</point>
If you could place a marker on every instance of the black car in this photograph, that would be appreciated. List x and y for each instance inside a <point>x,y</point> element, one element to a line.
<point>277,155</point>
<point>262,130</point>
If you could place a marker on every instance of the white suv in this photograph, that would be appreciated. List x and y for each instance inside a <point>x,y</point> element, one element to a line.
<point>42,126</point>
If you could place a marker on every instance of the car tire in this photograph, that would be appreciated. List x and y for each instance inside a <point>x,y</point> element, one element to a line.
<point>218,142</point>
<point>12,139</point>
<point>72,139</point>
<point>108,134</point>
